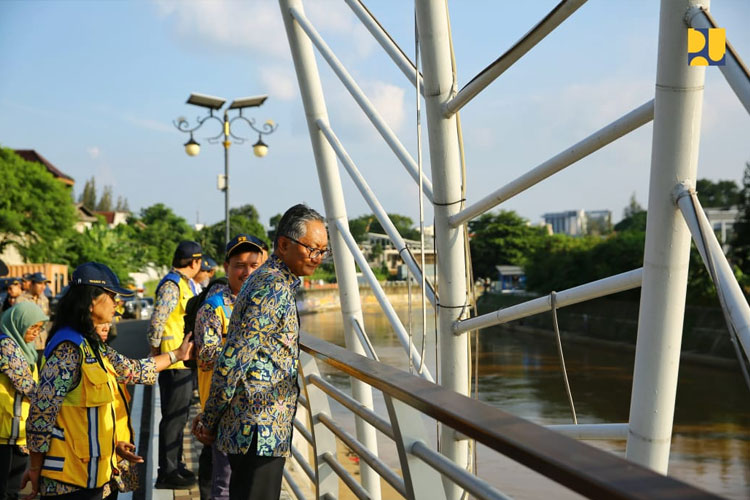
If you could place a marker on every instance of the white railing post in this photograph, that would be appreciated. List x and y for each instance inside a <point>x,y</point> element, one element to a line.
<point>326,480</point>
<point>674,157</point>
<point>432,22</point>
<point>335,209</point>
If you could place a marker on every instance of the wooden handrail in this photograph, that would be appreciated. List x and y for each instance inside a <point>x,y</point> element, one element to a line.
<point>580,467</point>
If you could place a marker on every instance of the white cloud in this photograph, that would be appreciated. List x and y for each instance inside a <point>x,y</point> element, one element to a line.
<point>255,26</point>
<point>388,99</point>
<point>280,81</point>
<point>147,123</point>
<point>93,152</point>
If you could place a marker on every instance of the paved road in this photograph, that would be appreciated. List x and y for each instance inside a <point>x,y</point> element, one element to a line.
<point>131,338</point>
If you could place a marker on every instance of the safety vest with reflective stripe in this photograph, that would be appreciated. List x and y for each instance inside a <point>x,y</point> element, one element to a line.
<point>14,408</point>
<point>171,337</point>
<point>223,311</point>
<point>82,446</point>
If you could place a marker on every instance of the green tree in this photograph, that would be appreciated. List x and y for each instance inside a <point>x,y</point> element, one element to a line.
<point>105,202</point>
<point>88,196</point>
<point>243,219</point>
<point>501,238</point>
<point>273,224</point>
<point>116,247</point>
<point>122,204</point>
<point>158,231</point>
<point>368,223</point>
<point>634,217</point>
<point>740,242</point>
<point>36,210</point>
<point>719,194</point>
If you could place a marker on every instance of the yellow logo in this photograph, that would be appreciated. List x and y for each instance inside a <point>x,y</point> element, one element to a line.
<point>707,46</point>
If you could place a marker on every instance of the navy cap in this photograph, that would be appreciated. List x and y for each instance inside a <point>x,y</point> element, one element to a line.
<point>245,239</point>
<point>188,250</point>
<point>15,281</point>
<point>208,263</point>
<point>39,278</point>
<point>96,274</point>
<point>26,277</point>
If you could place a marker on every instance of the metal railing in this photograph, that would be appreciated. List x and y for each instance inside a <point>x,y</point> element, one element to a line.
<point>676,114</point>
<point>586,470</point>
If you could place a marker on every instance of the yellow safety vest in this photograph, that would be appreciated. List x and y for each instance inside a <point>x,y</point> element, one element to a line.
<point>223,311</point>
<point>123,425</point>
<point>82,447</point>
<point>171,337</point>
<point>14,408</point>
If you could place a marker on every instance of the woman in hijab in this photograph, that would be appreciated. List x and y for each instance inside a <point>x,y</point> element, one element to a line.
<point>19,326</point>
<point>72,432</point>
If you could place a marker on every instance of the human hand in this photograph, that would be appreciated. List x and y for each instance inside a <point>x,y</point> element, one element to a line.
<point>31,475</point>
<point>201,433</point>
<point>126,450</point>
<point>185,350</point>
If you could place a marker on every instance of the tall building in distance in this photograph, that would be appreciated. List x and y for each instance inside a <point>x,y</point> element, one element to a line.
<point>579,222</point>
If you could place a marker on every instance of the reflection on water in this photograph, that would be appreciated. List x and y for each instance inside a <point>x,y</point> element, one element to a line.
<point>520,374</point>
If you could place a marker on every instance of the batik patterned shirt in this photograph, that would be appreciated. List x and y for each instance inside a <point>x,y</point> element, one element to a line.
<point>60,374</point>
<point>209,331</point>
<point>15,366</point>
<point>254,386</point>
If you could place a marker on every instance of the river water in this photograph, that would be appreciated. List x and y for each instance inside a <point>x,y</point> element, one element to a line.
<point>520,373</point>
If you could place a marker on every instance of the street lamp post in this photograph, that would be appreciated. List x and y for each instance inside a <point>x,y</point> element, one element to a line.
<point>192,147</point>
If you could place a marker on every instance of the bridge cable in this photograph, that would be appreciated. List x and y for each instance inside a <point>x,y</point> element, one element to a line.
<point>719,292</point>
<point>553,303</point>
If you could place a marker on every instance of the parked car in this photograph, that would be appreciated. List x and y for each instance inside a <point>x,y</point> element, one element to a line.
<point>134,305</point>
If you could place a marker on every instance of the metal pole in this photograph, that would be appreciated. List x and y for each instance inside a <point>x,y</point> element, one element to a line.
<point>335,209</point>
<point>735,71</point>
<point>674,157</point>
<point>432,23</point>
<point>226,143</point>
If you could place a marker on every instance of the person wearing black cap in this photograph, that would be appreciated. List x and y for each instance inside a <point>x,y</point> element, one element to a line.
<point>35,293</point>
<point>71,431</point>
<point>206,273</point>
<point>26,282</point>
<point>165,332</point>
<point>14,291</point>
<point>244,254</point>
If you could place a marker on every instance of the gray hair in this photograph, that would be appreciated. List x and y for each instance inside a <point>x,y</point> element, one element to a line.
<point>294,222</point>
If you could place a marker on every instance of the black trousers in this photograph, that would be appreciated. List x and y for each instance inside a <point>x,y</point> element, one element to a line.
<point>175,388</point>
<point>84,494</point>
<point>12,466</point>
<point>254,477</point>
<point>205,472</point>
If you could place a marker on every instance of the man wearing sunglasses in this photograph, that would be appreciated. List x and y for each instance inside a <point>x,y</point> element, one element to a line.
<point>253,394</point>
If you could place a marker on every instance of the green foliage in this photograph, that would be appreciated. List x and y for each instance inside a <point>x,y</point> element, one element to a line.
<point>719,194</point>
<point>501,238</point>
<point>740,242</point>
<point>634,217</point>
<point>158,231</point>
<point>88,195</point>
<point>35,208</point>
<point>273,223</point>
<point>241,220</point>
<point>368,223</point>
<point>105,202</point>
<point>116,247</point>
<point>326,272</point>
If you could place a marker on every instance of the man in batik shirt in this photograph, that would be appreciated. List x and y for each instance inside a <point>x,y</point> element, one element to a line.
<point>244,254</point>
<point>253,395</point>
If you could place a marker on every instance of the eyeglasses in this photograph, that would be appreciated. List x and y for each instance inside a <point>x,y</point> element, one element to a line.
<point>314,253</point>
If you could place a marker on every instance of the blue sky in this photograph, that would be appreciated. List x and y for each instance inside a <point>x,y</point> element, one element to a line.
<point>94,87</point>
